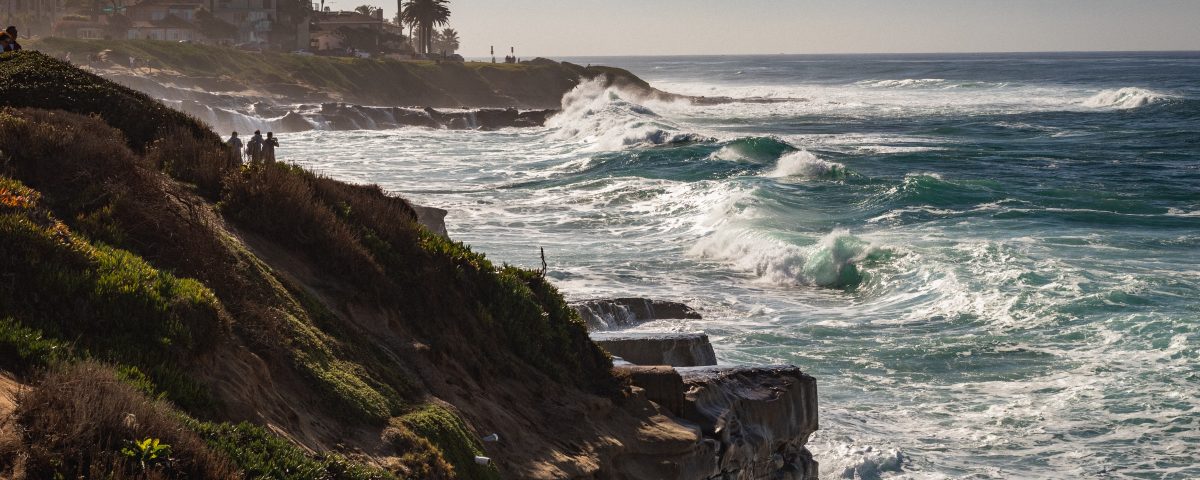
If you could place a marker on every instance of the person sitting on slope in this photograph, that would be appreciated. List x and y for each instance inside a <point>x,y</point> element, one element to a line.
<point>8,40</point>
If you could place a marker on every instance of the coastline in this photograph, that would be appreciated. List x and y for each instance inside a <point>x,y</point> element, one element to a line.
<point>383,363</point>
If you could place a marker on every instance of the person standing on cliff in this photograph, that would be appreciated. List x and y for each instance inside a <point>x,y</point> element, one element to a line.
<point>235,144</point>
<point>254,147</point>
<point>269,147</point>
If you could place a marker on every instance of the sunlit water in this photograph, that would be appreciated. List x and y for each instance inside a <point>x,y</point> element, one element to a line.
<point>990,263</point>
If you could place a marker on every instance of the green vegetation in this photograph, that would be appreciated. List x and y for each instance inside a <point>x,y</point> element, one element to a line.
<point>148,453</point>
<point>35,80</point>
<point>261,454</point>
<point>77,421</point>
<point>445,430</point>
<point>122,289</point>
<point>536,84</point>
<point>109,302</point>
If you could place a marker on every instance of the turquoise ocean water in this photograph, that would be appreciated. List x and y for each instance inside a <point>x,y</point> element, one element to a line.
<point>990,263</point>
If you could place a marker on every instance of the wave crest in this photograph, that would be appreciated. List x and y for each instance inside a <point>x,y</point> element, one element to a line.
<point>832,262</point>
<point>604,117</point>
<point>1124,98</point>
<point>902,83</point>
<point>803,163</point>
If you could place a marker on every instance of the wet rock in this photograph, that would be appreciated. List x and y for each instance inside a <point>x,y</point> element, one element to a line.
<point>294,122</point>
<point>762,416</point>
<point>675,349</point>
<point>618,313</point>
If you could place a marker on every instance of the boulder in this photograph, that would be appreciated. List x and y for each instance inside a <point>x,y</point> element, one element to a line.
<point>762,416</point>
<point>294,122</point>
<point>618,313</point>
<point>674,349</point>
<point>432,218</point>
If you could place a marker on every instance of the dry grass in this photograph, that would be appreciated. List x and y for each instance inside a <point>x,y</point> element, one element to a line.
<point>192,159</point>
<point>75,422</point>
<point>281,202</point>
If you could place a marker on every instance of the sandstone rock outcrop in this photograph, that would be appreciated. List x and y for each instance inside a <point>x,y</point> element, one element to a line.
<point>762,417</point>
<point>674,349</point>
<point>618,313</point>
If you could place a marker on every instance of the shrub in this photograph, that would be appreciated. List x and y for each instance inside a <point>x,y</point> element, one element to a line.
<point>110,302</point>
<point>24,349</point>
<point>418,457</point>
<point>280,201</point>
<point>449,434</point>
<point>76,421</point>
<point>197,160</point>
<point>261,454</point>
<point>33,79</point>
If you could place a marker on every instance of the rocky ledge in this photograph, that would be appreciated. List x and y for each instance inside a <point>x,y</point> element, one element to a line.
<point>618,313</point>
<point>674,349</point>
<point>749,422</point>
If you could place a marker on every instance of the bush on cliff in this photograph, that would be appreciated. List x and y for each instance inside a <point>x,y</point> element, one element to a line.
<point>444,429</point>
<point>454,297</point>
<point>113,260</point>
<point>33,79</point>
<point>75,423</point>
<point>94,182</point>
<point>105,302</point>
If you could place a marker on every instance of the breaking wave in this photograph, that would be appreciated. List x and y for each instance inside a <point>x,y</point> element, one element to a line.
<point>805,164</point>
<point>834,261</point>
<point>607,119</point>
<point>1124,98</point>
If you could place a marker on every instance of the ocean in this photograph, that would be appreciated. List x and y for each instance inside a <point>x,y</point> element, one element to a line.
<point>989,262</point>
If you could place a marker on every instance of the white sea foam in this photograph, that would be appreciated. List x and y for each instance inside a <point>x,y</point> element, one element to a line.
<point>608,118</point>
<point>833,261</point>
<point>1124,98</point>
<point>902,83</point>
<point>803,163</point>
<point>859,462</point>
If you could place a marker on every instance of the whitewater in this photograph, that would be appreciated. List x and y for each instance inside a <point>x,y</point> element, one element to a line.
<point>990,263</point>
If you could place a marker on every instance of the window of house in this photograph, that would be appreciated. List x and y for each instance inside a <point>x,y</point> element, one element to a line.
<point>157,15</point>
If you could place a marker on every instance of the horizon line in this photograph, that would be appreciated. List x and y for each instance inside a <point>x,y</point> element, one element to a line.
<point>990,52</point>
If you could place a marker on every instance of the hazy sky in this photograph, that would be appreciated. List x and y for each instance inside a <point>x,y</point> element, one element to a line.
<point>663,27</point>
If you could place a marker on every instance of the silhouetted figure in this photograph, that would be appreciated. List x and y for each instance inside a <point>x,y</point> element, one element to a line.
<point>235,144</point>
<point>269,147</point>
<point>8,40</point>
<point>255,147</point>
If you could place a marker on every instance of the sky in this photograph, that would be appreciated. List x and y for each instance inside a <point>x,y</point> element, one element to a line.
<point>557,28</point>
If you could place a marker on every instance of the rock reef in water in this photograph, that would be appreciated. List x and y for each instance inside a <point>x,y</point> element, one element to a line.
<point>619,313</point>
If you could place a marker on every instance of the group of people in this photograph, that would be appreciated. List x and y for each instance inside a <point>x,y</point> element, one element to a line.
<point>8,40</point>
<point>258,149</point>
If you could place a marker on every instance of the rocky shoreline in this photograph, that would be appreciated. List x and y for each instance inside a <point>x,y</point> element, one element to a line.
<point>754,421</point>
<point>751,422</point>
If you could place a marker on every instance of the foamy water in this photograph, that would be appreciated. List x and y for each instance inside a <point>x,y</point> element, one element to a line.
<point>990,263</point>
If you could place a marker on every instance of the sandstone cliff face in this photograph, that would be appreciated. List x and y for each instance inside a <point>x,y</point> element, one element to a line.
<point>751,422</point>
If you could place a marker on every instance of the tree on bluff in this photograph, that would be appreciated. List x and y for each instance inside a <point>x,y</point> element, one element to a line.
<point>425,15</point>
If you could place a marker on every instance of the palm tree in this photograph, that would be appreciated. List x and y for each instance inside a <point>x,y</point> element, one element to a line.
<point>449,38</point>
<point>368,10</point>
<point>426,14</point>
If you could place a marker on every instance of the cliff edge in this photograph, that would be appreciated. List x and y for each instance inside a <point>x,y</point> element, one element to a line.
<point>167,313</point>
